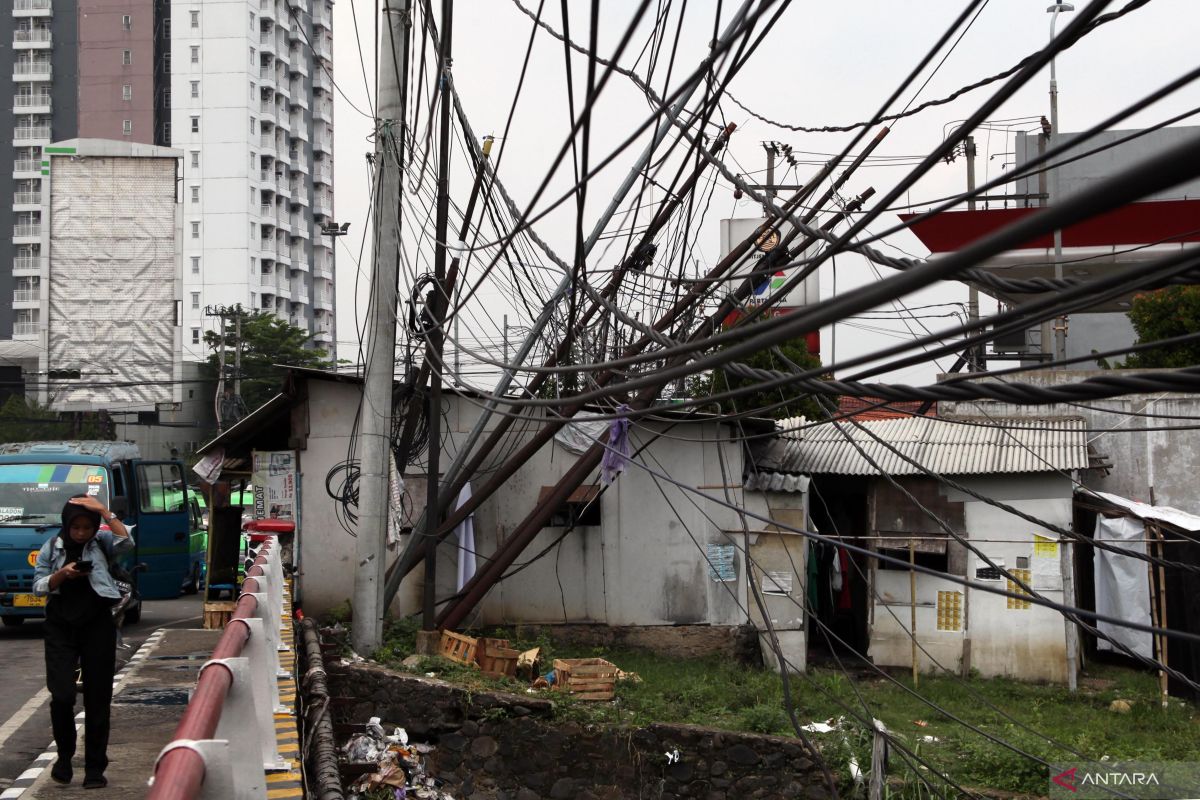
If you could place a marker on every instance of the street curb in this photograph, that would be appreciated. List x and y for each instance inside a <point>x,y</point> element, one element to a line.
<point>43,762</point>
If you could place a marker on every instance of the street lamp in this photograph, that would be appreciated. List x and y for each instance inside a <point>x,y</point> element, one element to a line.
<point>1060,325</point>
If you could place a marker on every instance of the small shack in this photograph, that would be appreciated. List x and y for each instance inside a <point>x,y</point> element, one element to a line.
<point>915,490</point>
<point>1159,594</point>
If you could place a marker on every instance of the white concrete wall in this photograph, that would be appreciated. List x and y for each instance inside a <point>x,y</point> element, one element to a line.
<point>643,566</point>
<point>1025,643</point>
<point>1124,432</point>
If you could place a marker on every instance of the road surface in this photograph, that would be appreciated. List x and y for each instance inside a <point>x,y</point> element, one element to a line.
<point>24,704</point>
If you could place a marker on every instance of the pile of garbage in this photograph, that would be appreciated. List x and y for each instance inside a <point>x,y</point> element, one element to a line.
<point>400,767</point>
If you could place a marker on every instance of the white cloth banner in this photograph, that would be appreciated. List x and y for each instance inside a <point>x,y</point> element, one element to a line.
<point>578,436</point>
<point>1122,585</point>
<point>466,540</point>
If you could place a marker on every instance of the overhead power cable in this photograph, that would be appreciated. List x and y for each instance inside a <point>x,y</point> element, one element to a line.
<point>1133,5</point>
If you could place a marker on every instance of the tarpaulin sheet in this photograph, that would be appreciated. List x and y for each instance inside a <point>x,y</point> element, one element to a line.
<point>1122,585</point>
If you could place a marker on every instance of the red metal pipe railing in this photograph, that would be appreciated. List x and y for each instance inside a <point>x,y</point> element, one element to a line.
<point>179,774</point>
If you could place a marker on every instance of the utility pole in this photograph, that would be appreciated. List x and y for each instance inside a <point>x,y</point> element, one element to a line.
<point>770,189</point>
<point>974,360</point>
<point>436,336</point>
<point>379,373</point>
<point>1060,324</point>
<point>220,378</point>
<point>237,358</point>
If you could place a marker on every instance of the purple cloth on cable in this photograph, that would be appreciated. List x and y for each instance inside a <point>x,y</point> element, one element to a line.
<point>616,455</point>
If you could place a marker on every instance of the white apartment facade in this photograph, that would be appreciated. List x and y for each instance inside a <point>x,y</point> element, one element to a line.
<point>252,110</point>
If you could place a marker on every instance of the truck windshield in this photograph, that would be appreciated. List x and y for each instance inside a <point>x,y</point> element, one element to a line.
<point>34,494</point>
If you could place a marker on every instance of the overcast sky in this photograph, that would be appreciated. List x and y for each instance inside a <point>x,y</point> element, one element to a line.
<point>822,64</point>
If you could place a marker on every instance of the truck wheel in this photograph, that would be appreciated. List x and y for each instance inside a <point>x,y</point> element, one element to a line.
<point>12,621</point>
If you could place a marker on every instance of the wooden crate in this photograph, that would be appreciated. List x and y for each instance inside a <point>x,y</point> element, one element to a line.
<point>217,613</point>
<point>496,658</point>
<point>457,647</point>
<point>586,678</point>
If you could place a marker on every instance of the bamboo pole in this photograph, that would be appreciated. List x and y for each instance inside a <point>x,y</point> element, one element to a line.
<point>912,591</point>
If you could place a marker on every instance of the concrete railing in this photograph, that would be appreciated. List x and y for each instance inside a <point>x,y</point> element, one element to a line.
<point>225,744</point>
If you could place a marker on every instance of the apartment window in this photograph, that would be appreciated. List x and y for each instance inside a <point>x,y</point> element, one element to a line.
<point>195,19</point>
<point>195,334</point>
<point>127,57</point>
<point>195,230</point>
<point>127,92</point>
<point>166,23</point>
<point>127,127</point>
<point>195,265</point>
<point>195,194</point>
<point>252,22</point>
<point>195,54</point>
<point>195,88</point>
<point>195,159</point>
<point>127,22</point>
<point>195,124</point>
<point>195,295</point>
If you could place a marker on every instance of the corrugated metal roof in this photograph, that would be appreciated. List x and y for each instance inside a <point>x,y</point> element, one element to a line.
<point>959,446</point>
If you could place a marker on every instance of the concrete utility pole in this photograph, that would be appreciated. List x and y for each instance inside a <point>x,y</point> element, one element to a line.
<point>1060,324</point>
<point>376,428</point>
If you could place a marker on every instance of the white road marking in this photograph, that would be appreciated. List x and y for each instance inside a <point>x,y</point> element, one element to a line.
<point>22,715</point>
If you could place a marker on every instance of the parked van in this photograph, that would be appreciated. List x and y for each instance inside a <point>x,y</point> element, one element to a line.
<point>37,478</point>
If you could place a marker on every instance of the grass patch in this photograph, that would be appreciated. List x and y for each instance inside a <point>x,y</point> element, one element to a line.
<point>721,693</point>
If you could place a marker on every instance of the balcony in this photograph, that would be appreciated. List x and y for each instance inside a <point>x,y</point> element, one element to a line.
<point>31,104</point>
<point>266,9</point>
<point>323,301</point>
<point>34,38</point>
<point>266,111</point>
<point>323,271</point>
<point>27,166</point>
<point>27,230</point>
<point>28,264</point>
<point>321,81</point>
<point>322,174</point>
<point>25,328</point>
<point>267,142</point>
<point>320,15</point>
<point>299,65</point>
<point>31,70</point>
<point>27,296</point>
<point>266,76</point>
<point>27,198</point>
<point>323,143</point>
<point>323,110</point>
<point>322,47</point>
<point>32,8</point>
<point>32,134</point>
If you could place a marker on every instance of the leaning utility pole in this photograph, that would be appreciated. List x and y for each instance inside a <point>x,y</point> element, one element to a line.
<point>376,426</point>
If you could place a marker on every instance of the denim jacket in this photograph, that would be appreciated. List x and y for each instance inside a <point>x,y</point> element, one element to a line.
<point>53,557</point>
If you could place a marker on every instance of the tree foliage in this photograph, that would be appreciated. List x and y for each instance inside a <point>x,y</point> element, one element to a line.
<point>794,403</point>
<point>268,346</point>
<point>23,420</point>
<point>1162,314</point>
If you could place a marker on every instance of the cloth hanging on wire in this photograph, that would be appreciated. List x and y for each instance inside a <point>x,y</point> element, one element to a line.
<point>616,455</point>
<point>466,540</point>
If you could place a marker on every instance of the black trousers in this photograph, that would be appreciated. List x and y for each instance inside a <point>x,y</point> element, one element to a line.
<point>91,645</point>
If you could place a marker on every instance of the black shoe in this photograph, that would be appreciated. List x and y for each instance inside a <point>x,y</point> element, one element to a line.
<point>94,781</point>
<point>61,771</point>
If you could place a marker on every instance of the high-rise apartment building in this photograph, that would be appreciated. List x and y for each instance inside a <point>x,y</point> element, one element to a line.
<point>80,69</point>
<point>252,109</point>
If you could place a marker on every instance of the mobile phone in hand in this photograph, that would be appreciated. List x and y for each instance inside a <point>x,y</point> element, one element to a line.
<point>83,566</point>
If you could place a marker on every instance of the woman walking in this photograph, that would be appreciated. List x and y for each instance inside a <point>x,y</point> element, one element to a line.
<point>72,568</point>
